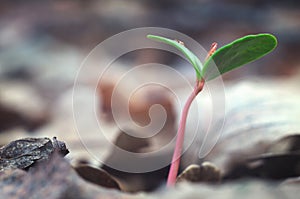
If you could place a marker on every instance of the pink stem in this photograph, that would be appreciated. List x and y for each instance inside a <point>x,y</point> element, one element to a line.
<point>180,134</point>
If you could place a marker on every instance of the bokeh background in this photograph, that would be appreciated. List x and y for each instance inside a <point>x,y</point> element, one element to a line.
<point>63,26</point>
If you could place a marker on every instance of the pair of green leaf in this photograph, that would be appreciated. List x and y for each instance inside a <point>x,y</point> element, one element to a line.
<point>228,57</point>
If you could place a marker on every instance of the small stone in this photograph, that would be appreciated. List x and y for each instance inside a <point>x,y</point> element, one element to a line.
<point>206,172</point>
<point>97,176</point>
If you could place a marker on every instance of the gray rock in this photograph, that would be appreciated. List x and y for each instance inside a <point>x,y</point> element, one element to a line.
<point>23,153</point>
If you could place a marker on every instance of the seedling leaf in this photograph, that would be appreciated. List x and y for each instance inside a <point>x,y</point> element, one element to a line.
<point>192,58</point>
<point>238,53</point>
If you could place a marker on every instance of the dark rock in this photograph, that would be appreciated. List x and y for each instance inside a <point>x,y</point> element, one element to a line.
<point>97,176</point>
<point>275,167</point>
<point>281,160</point>
<point>23,153</point>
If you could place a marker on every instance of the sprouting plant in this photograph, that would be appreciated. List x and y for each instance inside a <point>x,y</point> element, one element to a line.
<point>226,58</point>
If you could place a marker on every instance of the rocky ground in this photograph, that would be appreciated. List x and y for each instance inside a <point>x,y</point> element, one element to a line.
<point>41,48</point>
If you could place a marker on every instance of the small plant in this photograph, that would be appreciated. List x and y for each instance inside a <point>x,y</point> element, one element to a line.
<point>226,58</point>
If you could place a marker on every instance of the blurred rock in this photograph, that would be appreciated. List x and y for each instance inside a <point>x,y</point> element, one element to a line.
<point>276,167</point>
<point>21,106</point>
<point>292,181</point>
<point>38,63</point>
<point>280,161</point>
<point>287,144</point>
<point>53,180</point>
<point>121,155</point>
<point>245,189</point>
<point>140,104</point>
<point>96,176</point>
<point>141,135</point>
<point>105,93</point>
<point>58,180</point>
<point>131,143</point>
<point>10,179</point>
<point>205,173</point>
<point>257,115</point>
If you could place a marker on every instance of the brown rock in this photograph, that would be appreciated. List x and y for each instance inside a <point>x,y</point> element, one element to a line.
<point>97,176</point>
<point>21,106</point>
<point>206,172</point>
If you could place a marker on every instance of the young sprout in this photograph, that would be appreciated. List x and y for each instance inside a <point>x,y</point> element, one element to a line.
<point>226,58</point>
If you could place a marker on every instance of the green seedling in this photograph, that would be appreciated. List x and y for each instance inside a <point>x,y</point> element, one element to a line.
<point>231,56</point>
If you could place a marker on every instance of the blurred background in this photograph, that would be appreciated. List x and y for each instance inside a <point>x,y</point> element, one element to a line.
<point>42,44</point>
<point>78,26</point>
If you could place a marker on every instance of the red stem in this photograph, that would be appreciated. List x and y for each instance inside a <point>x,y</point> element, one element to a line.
<point>180,134</point>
